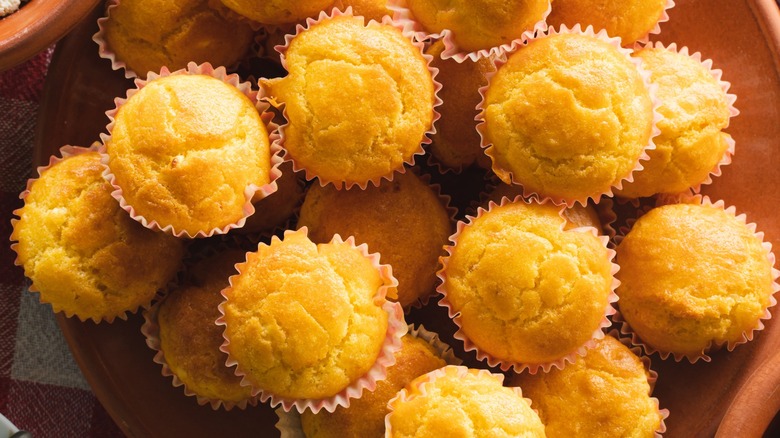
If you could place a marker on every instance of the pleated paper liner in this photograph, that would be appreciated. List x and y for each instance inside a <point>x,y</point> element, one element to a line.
<point>506,364</point>
<point>346,182</point>
<point>508,177</point>
<point>396,328</point>
<point>627,330</point>
<point>252,192</point>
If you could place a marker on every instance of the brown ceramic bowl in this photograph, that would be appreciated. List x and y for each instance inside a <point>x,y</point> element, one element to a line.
<point>735,395</point>
<point>36,26</point>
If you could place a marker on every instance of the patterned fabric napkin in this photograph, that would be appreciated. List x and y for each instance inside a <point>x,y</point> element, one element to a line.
<point>41,388</point>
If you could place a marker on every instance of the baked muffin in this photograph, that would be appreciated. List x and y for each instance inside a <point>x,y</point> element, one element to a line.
<point>277,12</point>
<point>695,109</point>
<point>83,253</point>
<point>307,324</point>
<point>371,121</point>
<point>404,220</point>
<point>188,152</point>
<point>365,417</point>
<point>525,292</point>
<point>370,9</point>
<point>276,209</point>
<point>476,26</point>
<point>455,144</point>
<point>605,393</point>
<point>145,35</point>
<point>181,328</point>
<point>693,276</point>
<point>458,401</point>
<point>568,117</point>
<point>631,20</point>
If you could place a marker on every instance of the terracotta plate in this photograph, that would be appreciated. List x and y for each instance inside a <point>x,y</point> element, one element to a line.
<point>743,39</point>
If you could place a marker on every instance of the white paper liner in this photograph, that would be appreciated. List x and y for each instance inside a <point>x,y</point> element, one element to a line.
<point>396,328</point>
<point>517,366</point>
<point>251,192</point>
<point>404,16</point>
<point>645,75</point>
<point>289,424</point>
<point>625,327</point>
<point>426,138</point>
<point>66,152</point>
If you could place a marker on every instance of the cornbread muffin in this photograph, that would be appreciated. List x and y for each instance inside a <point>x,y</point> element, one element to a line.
<point>524,292</point>
<point>575,216</point>
<point>631,20</point>
<point>404,220</point>
<point>188,151</point>
<point>370,9</point>
<point>458,401</point>
<point>307,321</point>
<point>692,276</point>
<point>456,141</point>
<point>277,208</point>
<point>695,110</point>
<point>83,253</point>
<point>188,338</point>
<point>146,35</point>
<point>369,122</point>
<point>365,416</point>
<point>479,25</point>
<point>605,393</point>
<point>568,117</point>
<point>277,11</point>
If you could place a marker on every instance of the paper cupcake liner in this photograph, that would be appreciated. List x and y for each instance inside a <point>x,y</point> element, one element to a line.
<point>66,152</point>
<point>252,192</point>
<point>151,331</point>
<point>105,51</point>
<point>625,327</point>
<point>507,176</point>
<point>419,387</point>
<point>404,16</point>
<point>717,74</point>
<point>426,138</point>
<point>289,424</point>
<point>519,366</point>
<point>396,328</point>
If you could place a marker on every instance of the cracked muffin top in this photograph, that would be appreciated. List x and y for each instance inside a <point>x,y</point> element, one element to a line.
<point>149,34</point>
<point>604,393</point>
<point>568,117</point>
<point>185,150</point>
<point>371,120</point>
<point>85,254</point>
<point>527,290</point>
<point>462,402</point>
<point>304,321</point>
<point>631,20</point>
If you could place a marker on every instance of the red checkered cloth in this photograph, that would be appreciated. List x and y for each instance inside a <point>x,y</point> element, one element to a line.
<point>42,389</point>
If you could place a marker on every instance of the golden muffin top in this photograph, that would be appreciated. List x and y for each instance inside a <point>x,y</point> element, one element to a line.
<point>190,339</point>
<point>631,20</point>
<point>482,24</point>
<point>695,109</point>
<point>404,220</point>
<point>84,254</point>
<point>185,150</point>
<point>568,117</point>
<point>365,416</point>
<point>455,143</point>
<point>528,292</point>
<point>149,34</point>
<point>692,275</point>
<point>604,393</point>
<point>369,122</point>
<point>370,9</point>
<point>305,321</point>
<point>458,401</point>
<point>277,11</point>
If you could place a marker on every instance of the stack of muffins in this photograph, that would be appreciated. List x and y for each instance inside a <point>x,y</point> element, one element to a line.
<point>280,233</point>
